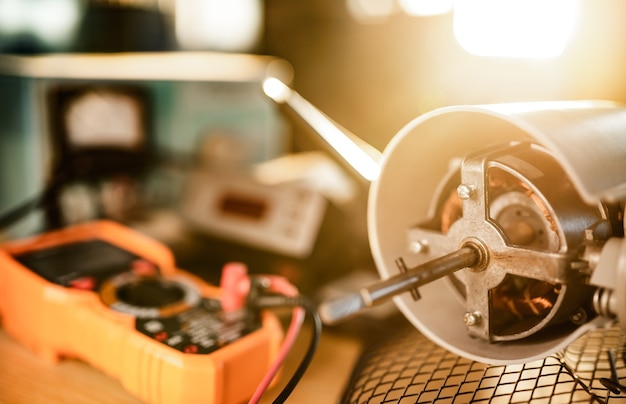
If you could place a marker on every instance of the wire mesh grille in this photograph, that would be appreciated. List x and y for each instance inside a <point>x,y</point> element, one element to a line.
<point>408,368</point>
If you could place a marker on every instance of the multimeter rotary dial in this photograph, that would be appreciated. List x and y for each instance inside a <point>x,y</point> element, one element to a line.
<point>149,296</point>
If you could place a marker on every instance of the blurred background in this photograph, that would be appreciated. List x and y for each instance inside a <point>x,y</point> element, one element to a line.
<point>178,86</point>
<point>372,65</point>
<point>375,72</point>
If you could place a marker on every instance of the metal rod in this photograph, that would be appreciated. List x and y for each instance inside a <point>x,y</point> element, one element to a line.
<point>353,303</point>
<point>362,157</point>
<point>415,277</point>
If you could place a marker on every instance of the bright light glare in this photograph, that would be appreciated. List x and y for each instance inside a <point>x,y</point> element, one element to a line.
<point>51,21</point>
<point>371,11</point>
<point>13,16</point>
<point>54,20</point>
<point>426,7</point>
<point>515,28</point>
<point>225,25</point>
<point>276,90</point>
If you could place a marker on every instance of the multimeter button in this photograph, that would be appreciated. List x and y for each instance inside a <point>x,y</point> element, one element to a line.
<point>175,340</point>
<point>191,349</point>
<point>154,326</point>
<point>161,336</point>
<point>144,268</point>
<point>84,283</point>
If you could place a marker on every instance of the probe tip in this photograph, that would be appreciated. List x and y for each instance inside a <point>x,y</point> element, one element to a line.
<point>334,311</point>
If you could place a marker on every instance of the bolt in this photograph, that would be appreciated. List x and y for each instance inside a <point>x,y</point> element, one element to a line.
<point>418,246</point>
<point>465,191</point>
<point>472,318</point>
<point>579,317</point>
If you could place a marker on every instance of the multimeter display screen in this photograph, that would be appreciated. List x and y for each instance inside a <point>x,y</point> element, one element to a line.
<point>62,264</point>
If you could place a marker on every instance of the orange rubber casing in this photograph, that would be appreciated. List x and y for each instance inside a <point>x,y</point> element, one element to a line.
<point>57,321</point>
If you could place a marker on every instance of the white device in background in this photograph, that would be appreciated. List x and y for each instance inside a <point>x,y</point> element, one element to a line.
<point>283,218</point>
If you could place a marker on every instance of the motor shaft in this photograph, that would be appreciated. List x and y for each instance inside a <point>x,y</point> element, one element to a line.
<point>344,307</point>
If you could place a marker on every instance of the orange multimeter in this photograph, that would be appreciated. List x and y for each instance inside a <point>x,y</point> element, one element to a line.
<point>113,297</point>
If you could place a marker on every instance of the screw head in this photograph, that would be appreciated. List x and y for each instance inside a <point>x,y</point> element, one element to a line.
<point>418,246</point>
<point>465,191</point>
<point>472,318</point>
<point>579,317</point>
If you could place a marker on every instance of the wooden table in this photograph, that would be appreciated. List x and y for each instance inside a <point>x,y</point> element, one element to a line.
<point>25,378</point>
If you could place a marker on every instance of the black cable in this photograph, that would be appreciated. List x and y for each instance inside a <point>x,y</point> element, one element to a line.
<point>17,213</point>
<point>43,199</point>
<point>20,211</point>
<point>61,176</point>
<point>307,305</point>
